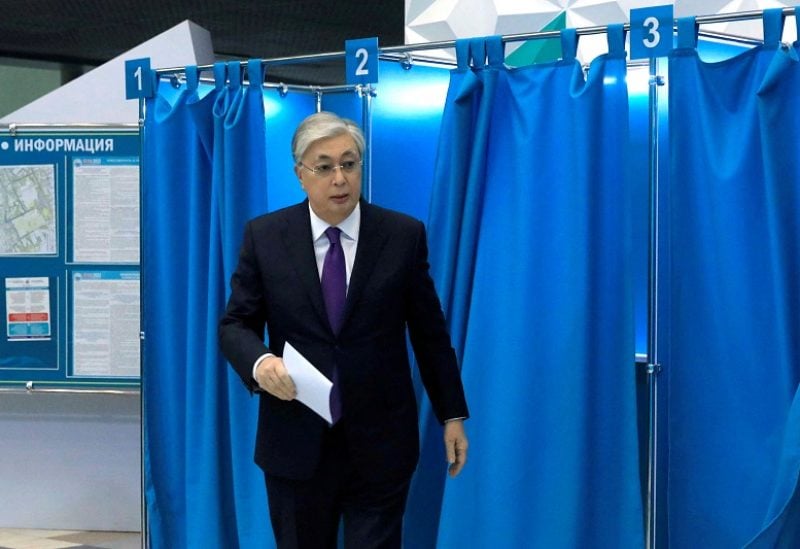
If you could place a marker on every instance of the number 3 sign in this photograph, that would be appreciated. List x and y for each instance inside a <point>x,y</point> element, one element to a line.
<point>361,61</point>
<point>651,32</point>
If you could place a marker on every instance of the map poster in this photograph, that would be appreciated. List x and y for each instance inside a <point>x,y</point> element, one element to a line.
<point>28,210</point>
<point>28,309</point>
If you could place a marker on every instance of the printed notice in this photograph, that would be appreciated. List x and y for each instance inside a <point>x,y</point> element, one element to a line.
<point>105,210</point>
<point>27,210</point>
<point>106,323</point>
<point>28,309</point>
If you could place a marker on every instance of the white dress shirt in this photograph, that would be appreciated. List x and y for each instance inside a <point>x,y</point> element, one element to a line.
<point>350,228</point>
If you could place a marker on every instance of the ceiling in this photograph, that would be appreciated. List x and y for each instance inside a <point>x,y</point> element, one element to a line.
<point>90,32</point>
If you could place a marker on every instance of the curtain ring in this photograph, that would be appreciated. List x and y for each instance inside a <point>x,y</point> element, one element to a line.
<point>408,61</point>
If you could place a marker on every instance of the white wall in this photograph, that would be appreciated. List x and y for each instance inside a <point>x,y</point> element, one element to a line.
<point>435,20</point>
<point>70,461</point>
<point>99,95</point>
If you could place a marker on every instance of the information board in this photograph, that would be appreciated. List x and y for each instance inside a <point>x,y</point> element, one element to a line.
<point>69,258</point>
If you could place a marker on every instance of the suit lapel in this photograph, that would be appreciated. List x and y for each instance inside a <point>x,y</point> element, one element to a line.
<point>371,238</point>
<point>297,239</point>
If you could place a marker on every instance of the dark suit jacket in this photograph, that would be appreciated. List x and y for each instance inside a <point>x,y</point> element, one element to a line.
<point>277,283</point>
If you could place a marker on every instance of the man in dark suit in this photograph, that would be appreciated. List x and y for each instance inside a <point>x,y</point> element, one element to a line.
<point>352,327</point>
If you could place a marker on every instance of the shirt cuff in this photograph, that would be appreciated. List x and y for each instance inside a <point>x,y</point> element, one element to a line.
<point>447,420</point>
<point>258,361</point>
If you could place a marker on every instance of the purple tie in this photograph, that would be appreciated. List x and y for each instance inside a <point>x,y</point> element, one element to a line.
<point>334,291</point>
<point>334,279</point>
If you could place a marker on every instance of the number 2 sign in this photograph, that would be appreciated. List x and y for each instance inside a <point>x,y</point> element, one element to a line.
<point>361,61</point>
<point>651,32</point>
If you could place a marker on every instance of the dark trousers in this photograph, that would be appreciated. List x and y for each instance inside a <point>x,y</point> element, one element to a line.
<point>305,514</point>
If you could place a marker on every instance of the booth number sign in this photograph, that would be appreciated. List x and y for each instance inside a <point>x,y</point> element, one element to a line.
<point>138,79</point>
<point>361,61</point>
<point>651,32</point>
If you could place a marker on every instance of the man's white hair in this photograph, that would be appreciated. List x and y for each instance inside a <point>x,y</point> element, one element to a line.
<point>323,125</point>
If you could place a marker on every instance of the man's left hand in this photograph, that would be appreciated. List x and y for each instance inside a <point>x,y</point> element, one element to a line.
<point>455,443</point>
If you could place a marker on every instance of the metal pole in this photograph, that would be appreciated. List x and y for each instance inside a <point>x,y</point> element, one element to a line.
<point>318,101</point>
<point>367,93</point>
<point>653,366</point>
<point>145,541</point>
<point>31,390</point>
<point>449,44</point>
<point>14,129</point>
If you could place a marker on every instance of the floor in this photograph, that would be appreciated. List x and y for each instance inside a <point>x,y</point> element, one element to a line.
<point>17,538</point>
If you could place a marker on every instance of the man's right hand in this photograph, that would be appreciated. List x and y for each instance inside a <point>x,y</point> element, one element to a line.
<point>272,376</point>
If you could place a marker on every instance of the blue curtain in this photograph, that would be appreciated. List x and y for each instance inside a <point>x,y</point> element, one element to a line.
<point>530,236</point>
<point>734,293</point>
<point>204,175</point>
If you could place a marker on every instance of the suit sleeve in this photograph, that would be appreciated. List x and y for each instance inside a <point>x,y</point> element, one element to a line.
<point>241,329</point>
<point>433,348</point>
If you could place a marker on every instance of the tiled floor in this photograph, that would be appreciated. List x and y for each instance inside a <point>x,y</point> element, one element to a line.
<point>16,538</point>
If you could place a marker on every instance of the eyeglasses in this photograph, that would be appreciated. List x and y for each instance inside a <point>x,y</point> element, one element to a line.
<point>326,170</point>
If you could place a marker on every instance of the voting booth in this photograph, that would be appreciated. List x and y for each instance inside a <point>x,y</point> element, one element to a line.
<point>593,231</point>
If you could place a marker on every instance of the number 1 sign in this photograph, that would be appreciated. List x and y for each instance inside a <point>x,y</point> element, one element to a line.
<point>138,81</point>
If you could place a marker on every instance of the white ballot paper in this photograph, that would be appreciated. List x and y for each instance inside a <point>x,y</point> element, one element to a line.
<point>313,388</point>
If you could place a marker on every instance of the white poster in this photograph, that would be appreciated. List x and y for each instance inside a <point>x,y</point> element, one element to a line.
<point>105,331</point>
<point>105,210</point>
